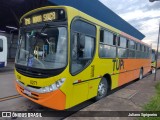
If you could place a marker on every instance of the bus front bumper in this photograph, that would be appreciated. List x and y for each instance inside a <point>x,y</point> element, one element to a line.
<point>54,100</point>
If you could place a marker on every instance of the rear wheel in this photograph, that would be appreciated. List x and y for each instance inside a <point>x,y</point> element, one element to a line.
<point>102,89</point>
<point>141,74</point>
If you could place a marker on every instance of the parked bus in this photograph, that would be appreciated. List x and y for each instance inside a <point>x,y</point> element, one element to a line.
<point>154,60</point>
<point>66,57</point>
<point>3,51</point>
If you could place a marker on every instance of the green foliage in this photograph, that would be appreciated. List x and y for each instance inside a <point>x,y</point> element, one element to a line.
<point>153,105</point>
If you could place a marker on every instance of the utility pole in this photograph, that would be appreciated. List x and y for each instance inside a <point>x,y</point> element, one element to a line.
<point>157,52</point>
<point>157,45</point>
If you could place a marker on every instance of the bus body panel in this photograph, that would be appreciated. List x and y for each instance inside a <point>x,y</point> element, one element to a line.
<point>3,52</point>
<point>132,68</point>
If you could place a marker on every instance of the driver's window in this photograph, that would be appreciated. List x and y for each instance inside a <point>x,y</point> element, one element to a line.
<point>75,48</point>
<point>88,47</point>
<point>82,51</point>
<point>83,36</point>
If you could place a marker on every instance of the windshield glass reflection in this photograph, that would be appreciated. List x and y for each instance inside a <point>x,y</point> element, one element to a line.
<point>45,49</point>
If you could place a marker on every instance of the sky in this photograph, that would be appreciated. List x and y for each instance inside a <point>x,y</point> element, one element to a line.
<point>141,14</point>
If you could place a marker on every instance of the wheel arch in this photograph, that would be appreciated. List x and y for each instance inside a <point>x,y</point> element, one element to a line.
<point>141,73</point>
<point>109,80</point>
<point>141,68</point>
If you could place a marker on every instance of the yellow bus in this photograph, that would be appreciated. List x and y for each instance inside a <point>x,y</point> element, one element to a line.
<point>154,61</point>
<point>66,57</point>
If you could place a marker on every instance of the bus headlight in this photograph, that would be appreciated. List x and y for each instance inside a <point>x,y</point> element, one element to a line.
<point>60,82</point>
<point>50,88</point>
<point>54,86</point>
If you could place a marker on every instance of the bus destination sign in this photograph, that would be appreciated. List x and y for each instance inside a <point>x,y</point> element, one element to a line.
<point>40,18</point>
<point>44,17</point>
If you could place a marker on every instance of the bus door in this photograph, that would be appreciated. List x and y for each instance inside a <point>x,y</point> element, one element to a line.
<point>82,53</point>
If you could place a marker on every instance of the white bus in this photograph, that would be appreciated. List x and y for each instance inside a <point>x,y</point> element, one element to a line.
<point>3,51</point>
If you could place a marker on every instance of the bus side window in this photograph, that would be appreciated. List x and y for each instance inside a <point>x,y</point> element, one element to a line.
<point>107,45</point>
<point>88,47</point>
<point>81,46</point>
<point>82,51</point>
<point>122,47</point>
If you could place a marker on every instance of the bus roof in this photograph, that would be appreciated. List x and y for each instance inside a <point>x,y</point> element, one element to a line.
<point>99,11</point>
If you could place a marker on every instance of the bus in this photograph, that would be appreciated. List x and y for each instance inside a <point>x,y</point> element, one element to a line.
<point>66,57</point>
<point>3,51</point>
<point>153,66</point>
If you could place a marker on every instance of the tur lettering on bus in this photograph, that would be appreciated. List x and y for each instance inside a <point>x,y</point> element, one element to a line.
<point>118,64</point>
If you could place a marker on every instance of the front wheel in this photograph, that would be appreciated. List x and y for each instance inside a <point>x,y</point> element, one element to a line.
<point>102,89</point>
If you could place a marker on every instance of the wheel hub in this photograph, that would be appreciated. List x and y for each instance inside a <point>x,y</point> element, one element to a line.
<point>101,89</point>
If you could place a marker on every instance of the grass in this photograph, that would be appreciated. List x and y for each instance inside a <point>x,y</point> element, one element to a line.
<point>153,105</point>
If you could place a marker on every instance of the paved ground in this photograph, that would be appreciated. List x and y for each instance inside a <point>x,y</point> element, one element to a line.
<point>130,97</point>
<point>7,79</point>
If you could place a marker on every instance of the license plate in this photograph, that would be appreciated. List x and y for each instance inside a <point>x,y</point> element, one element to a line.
<point>27,92</point>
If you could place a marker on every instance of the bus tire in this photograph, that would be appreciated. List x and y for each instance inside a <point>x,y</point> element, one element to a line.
<point>141,74</point>
<point>102,89</point>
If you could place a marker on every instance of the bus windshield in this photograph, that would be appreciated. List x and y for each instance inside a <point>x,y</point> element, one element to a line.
<point>43,48</point>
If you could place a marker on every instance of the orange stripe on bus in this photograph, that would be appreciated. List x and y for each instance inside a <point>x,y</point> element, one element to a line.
<point>131,69</point>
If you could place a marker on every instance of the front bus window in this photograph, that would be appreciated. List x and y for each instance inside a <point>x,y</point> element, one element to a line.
<point>82,45</point>
<point>45,49</point>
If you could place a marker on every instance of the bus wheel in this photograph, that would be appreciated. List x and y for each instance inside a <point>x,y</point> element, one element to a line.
<point>153,70</point>
<point>102,89</point>
<point>141,74</point>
